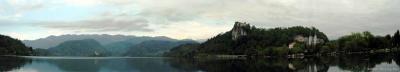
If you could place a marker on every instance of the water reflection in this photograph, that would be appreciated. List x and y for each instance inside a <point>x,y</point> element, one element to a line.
<point>106,65</point>
<point>8,63</point>
<point>355,63</point>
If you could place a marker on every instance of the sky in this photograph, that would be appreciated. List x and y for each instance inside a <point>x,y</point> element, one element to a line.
<point>192,19</point>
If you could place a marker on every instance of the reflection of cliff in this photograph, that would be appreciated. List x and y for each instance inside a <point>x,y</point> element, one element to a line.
<point>8,63</point>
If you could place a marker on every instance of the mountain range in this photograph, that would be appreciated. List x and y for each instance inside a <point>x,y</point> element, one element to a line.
<point>104,45</point>
<point>103,39</point>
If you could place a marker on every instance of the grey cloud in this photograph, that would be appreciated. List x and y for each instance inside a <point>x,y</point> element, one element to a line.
<point>101,25</point>
<point>181,10</point>
<point>31,7</point>
<point>22,6</point>
<point>334,17</point>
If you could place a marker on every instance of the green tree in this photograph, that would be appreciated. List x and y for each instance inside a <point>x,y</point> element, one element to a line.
<point>388,37</point>
<point>396,39</point>
<point>355,42</point>
<point>379,42</point>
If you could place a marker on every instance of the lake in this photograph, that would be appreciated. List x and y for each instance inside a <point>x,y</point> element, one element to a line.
<point>342,63</point>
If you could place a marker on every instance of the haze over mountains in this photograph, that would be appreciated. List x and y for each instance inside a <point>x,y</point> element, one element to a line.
<point>103,39</point>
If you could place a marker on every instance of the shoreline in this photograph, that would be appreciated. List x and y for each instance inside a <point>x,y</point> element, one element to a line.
<point>70,57</point>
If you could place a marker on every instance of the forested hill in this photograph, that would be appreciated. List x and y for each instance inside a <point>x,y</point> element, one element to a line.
<point>85,47</point>
<point>10,46</point>
<point>245,39</point>
<point>255,38</point>
<point>155,47</point>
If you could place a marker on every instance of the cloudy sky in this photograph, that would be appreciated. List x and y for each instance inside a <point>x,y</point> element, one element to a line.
<point>194,19</point>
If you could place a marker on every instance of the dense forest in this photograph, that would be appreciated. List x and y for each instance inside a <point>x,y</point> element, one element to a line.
<point>154,48</point>
<point>85,47</point>
<point>277,42</point>
<point>365,42</point>
<point>11,46</point>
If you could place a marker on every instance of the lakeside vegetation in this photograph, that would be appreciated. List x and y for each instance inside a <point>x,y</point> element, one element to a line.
<point>274,42</point>
<point>364,42</point>
<point>11,46</point>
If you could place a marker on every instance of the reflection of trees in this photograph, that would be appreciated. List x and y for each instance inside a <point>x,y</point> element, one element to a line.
<point>73,65</point>
<point>8,63</point>
<point>186,65</point>
<point>231,65</point>
<point>113,65</point>
<point>396,59</point>
<point>355,63</point>
<point>150,65</point>
<point>362,62</point>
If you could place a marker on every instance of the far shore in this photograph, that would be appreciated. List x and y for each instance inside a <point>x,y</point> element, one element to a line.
<point>76,57</point>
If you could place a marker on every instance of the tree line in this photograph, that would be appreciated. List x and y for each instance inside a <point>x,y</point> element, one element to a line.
<point>365,42</point>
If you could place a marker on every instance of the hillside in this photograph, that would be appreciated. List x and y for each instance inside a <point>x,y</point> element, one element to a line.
<point>11,46</point>
<point>245,39</point>
<point>121,47</point>
<point>155,47</point>
<point>85,47</point>
<point>184,50</point>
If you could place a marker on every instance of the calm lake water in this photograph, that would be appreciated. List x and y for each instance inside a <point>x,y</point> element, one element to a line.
<point>347,63</point>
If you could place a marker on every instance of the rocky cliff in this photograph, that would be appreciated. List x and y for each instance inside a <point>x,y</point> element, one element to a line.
<point>239,29</point>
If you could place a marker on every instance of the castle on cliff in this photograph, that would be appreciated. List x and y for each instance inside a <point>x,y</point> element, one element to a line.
<point>310,41</point>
